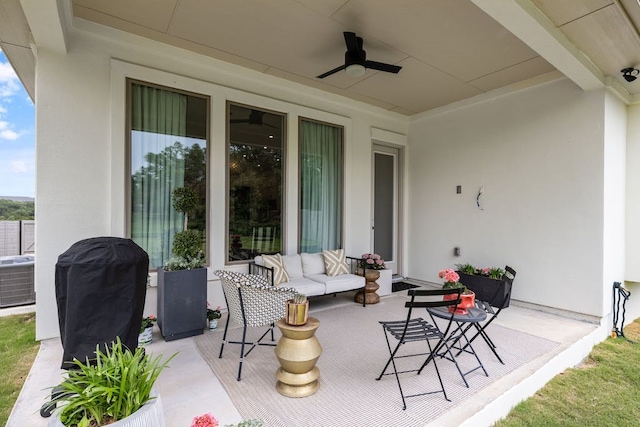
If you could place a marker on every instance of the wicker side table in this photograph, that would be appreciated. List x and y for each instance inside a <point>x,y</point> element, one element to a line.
<point>298,350</point>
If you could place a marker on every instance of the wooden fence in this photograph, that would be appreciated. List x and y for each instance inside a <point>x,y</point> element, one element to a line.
<point>17,237</point>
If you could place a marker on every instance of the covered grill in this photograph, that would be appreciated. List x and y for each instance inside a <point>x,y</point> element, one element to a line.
<point>100,292</point>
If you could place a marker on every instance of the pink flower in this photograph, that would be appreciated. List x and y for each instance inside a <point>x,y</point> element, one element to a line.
<point>204,420</point>
<point>365,256</point>
<point>448,275</point>
<point>379,261</point>
<point>370,261</point>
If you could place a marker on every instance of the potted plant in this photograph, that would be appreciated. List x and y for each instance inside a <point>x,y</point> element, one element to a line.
<point>182,281</point>
<point>208,420</point>
<point>487,283</point>
<point>371,262</point>
<point>212,317</point>
<point>146,330</point>
<point>297,310</point>
<point>371,266</point>
<point>114,389</point>
<point>467,297</point>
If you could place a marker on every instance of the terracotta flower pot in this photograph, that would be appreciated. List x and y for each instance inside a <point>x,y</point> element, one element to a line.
<point>467,301</point>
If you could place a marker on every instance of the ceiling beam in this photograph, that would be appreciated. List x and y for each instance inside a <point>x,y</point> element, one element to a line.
<point>46,20</point>
<point>531,26</point>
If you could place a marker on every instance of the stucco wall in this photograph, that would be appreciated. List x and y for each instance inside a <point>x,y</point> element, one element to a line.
<point>538,153</point>
<point>80,113</point>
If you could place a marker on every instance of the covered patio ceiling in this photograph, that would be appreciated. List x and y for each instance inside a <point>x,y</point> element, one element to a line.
<point>448,50</point>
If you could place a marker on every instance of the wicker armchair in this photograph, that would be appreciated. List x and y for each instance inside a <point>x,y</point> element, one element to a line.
<point>253,302</point>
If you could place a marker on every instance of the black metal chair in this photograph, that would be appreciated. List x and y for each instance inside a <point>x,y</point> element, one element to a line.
<point>419,330</point>
<point>492,305</point>
<point>252,302</point>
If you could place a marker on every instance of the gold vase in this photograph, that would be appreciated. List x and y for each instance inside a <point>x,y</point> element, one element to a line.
<point>297,313</point>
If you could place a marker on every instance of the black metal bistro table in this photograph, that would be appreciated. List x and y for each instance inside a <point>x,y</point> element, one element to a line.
<point>457,338</point>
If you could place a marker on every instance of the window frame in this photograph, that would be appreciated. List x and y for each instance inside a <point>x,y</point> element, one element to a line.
<point>283,172</point>
<point>127,161</point>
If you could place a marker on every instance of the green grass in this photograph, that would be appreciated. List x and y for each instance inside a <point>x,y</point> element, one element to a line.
<point>602,391</point>
<point>18,349</point>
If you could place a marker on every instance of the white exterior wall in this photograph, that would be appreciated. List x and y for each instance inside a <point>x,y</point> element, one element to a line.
<point>632,233</point>
<point>539,154</point>
<point>80,114</point>
<point>615,141</point>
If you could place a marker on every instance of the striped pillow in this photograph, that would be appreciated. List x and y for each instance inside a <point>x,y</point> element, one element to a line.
<point>335,262</point>
<point>279,272</point>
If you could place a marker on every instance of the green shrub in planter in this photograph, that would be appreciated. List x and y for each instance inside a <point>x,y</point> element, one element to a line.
<point>187,244</point>
<point>110,388</point>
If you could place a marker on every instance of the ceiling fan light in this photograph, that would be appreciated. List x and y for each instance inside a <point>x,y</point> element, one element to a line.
<point>355,70</point>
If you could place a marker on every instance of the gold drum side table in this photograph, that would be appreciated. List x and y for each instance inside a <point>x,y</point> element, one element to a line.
<point>298,350</point>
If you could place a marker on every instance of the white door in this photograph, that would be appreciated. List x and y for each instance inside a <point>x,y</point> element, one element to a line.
<point>386,205</point>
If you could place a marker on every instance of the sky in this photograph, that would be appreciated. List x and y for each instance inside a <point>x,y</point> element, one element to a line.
<point>17,135</point>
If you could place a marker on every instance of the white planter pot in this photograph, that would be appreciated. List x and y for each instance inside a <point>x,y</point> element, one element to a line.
<point>145,337</point>
<point>150,415</point>
<point>384,281</point>
<point>213,324</point>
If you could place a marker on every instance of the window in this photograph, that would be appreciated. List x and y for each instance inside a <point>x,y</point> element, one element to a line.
<point>321,177</point>
<point>168,132</point>
<point>256,144</point>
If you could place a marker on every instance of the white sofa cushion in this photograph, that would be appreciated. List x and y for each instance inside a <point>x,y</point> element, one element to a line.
<point>293,265</point>
<point>279,272</point>
<point>312,264</point>
<point>307,286</point>
<point>335,262</point>
<point>344,282</point>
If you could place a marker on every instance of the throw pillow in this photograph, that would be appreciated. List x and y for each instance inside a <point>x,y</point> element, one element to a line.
<point>335,262</point>
<point>312,264</point>
<point>279,272</point>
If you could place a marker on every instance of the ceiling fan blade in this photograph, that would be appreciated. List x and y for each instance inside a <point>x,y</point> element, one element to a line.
<point>351,40</point>
<point>328,73</point>
<point>389,68</point>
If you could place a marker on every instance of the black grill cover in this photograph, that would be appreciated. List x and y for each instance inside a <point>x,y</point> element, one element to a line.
<point>101,284</point>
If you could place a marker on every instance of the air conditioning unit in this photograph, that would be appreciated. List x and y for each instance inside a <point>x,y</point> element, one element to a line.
<point>16,281</point>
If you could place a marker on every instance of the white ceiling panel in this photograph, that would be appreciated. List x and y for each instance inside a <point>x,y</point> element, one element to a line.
<point>449,49</point>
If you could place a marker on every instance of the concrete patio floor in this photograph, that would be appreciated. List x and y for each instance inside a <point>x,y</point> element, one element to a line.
<point>189,387</point>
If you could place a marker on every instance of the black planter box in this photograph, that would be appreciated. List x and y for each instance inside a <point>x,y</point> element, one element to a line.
<point>487,289</point>
<point>182,302</point>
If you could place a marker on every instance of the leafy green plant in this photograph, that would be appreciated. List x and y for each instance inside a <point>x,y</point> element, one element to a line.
<point>247,423</point>
<point>496,273</point>
<point>110,388</point>
<point>187,244</point>
<point>492,272</point>
<point>213,314</point>
<point>466,268</point>
<point>147,322</point>
<point>185,199</point>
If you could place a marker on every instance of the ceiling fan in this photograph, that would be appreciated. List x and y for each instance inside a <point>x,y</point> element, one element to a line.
<point>255,118</point>
<point>355,59</point>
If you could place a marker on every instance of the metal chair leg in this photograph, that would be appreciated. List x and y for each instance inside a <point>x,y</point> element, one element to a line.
<point>224,337</point>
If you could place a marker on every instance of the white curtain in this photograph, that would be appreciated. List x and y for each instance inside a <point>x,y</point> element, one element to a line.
<point>321,187</point>
<point>158,128</point>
